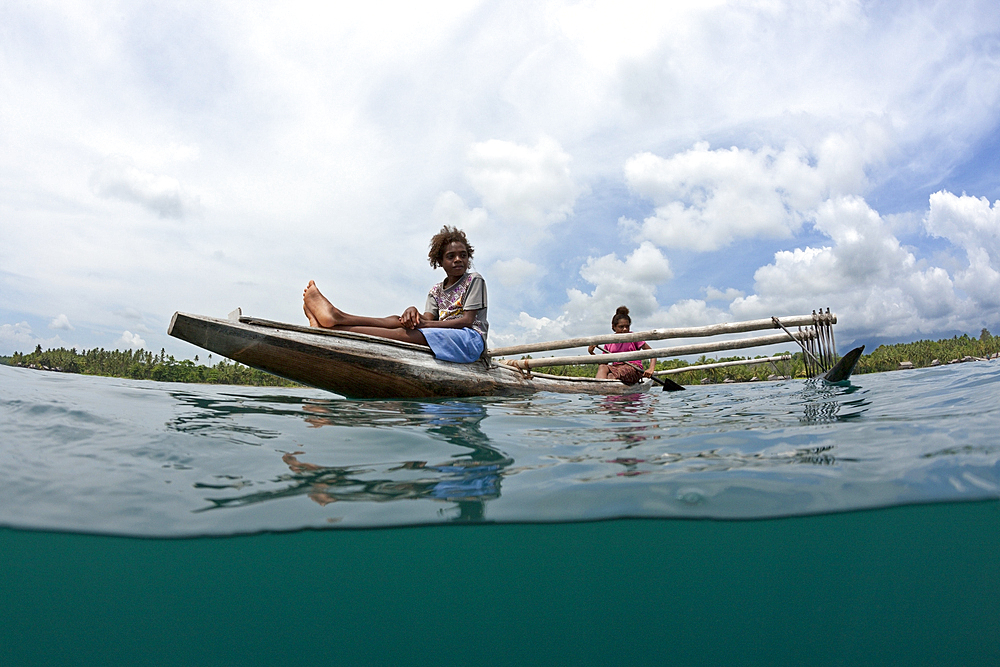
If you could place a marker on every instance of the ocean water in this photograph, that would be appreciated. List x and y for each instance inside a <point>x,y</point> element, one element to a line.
<point>768,523</point>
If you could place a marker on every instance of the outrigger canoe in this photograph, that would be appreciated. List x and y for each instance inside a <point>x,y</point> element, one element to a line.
<point>361,366</point>
<point>357,365</point>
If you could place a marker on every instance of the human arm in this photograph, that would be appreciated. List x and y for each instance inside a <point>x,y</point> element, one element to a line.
<point>464,320</point>
<point>648,372</point>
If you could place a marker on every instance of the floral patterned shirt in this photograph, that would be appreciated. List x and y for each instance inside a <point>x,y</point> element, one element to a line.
<point>469,293</point>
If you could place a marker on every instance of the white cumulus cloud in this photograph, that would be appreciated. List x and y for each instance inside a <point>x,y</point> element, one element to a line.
<point>865,275</point>
<point>530,329</point>
<point>130,340</point>
<point>14,335</point>
<point>119,178</point>
<point>523,184</point>
<point>707,199</point>
<point>451,210</point>
<point>973,225</point>
<point>730,294</point>
<point>969,222</point>
<point>20,338</point>
<point>61,322</point>
<point>630,282</point>
<point>515,272</point>
<point>981,280</point>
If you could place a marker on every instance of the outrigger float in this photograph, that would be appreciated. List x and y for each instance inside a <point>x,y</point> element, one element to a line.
<point>361,366</point>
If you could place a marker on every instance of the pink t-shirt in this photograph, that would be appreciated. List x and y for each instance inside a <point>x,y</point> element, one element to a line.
<point>613,348</point>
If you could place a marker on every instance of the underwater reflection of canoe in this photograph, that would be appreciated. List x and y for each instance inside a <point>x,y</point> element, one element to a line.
<point>361,366</point>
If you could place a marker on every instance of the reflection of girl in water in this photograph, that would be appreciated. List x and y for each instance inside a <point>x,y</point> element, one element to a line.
<point>457,480</point>
<point>469,479</point>
<point>468,484</point>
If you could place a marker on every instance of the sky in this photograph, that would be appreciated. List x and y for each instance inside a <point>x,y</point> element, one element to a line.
<point>699,162</point>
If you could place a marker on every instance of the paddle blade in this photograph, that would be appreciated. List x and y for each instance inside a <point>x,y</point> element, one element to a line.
<point>842,369</point>
<point>669,385</point>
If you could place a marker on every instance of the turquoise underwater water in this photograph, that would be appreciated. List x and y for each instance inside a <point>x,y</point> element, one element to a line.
<point>771,523</point>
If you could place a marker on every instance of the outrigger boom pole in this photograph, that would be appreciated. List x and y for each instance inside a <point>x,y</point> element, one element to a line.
<point>679,351</point>
<point>723,364</point>
<point>816,340</point>
<point>662,334</point>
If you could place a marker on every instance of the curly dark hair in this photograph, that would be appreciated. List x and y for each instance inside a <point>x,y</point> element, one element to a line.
<point>620,314</point>
<point>441,240</point>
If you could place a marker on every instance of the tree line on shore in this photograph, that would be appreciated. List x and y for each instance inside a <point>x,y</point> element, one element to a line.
<point>883,358</point>
<point>143,365</point>
<point>925,352</point>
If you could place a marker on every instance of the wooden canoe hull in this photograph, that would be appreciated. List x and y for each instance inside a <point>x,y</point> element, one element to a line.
<point>361,366</point>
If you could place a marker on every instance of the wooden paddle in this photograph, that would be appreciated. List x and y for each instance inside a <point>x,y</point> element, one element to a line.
<point>668,384</point>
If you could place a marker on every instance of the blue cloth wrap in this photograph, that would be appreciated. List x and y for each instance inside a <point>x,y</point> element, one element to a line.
<point>462,346</point>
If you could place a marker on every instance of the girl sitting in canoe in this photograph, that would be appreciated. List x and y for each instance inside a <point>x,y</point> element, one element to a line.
<point>629,372</point>
<point>453,323</point>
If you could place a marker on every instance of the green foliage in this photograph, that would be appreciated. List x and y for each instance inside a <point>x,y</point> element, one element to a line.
<point>924,352</point>
<point>587,371</point>
<point>143,365</point>
<point>747,373</point>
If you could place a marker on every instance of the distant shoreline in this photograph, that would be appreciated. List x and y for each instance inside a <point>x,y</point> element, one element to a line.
<point>143,365</point>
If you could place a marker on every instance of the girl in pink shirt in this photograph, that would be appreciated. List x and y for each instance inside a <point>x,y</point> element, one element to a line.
<point>628,372</point>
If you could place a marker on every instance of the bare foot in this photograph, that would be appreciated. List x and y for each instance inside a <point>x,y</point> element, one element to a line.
<point>319,309</point>
<point>313,322</point>
<point>312,318</point>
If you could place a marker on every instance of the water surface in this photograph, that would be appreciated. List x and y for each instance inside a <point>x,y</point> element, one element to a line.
<point>140,458</point>
<point>866,525</point>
